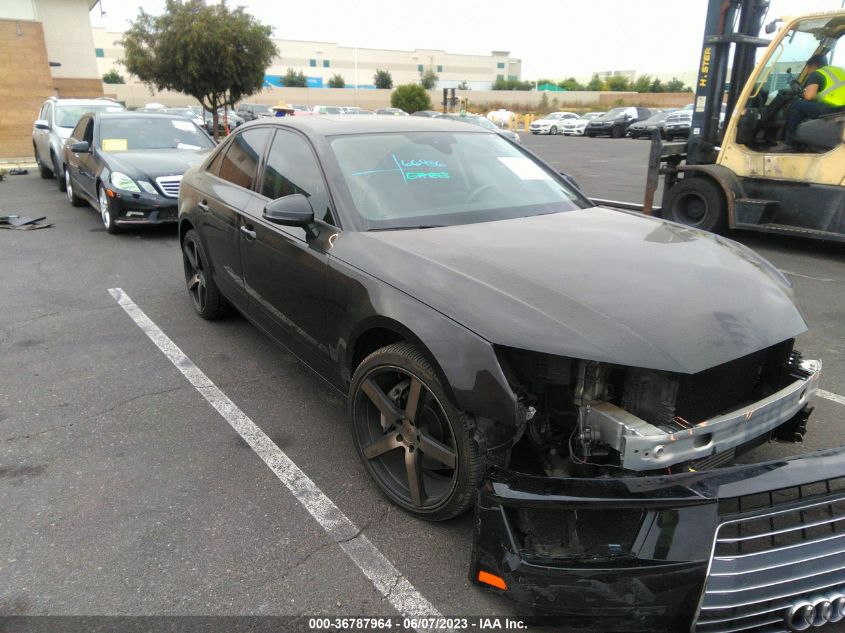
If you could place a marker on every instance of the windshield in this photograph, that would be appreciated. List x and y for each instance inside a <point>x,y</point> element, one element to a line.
<point>439,178</point>
<point>126,134</point>
<point>68,116</point>
<point>657,118</point>
<point>612,114</point>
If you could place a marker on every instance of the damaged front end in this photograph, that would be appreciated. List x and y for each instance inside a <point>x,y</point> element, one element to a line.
<point>618,509</point>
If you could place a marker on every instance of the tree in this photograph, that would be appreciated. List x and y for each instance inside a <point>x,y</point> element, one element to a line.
<point>410,98</point>
<point>337,81</point>
<point>463,85</point>
<point>676,85</point>
<point>596,83</point>
<point>383,79</point>
<point>642,84</point>
<point>618,83</point>
<point>113,77</point>
<point>656,86</point>
<point>215,54</point>
<point>294,79</point>
<point>571,84</point>
<point>543,106</point>
<point>512,84</point>
<point>428,79</point>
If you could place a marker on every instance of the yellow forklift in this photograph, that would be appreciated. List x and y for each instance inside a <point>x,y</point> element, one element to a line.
<point>738,173</point>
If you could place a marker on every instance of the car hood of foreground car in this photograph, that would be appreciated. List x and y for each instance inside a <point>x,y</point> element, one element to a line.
<point>154,163</point>
<point>593,284</point>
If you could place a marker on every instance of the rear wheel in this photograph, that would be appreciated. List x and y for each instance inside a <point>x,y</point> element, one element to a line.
<point>696,202</point>
<point>207,300</point>
<point>415,444</point>
<point>74,200</point>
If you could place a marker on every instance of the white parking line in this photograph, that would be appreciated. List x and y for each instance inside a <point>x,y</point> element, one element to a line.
<point>389,582</point>
<point>828,395</point>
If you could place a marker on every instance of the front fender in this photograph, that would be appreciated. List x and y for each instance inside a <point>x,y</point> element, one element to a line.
<point>466,363</point>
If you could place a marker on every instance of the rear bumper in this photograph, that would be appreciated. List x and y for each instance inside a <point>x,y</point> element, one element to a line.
<point>640,553</point>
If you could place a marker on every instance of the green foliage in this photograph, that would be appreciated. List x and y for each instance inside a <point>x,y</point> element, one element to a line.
<point>596,84</point>
<point>383,79</point>
<point>571,84</point>
<point>656,86</point>
<point>294,79</point>
<point>113,77</point>
<point>215,54</point>
<point>512,84</point>
<point>463,85</point>
<point>618,83</point>
<point>410,98</point>
<point>337,81</point>
<point>676,85</point>
<point>428,79</point>
<point>642,84</point>
<point>544,102</point>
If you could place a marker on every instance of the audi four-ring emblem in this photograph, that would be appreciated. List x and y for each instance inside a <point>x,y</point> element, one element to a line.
<point>814,611</point>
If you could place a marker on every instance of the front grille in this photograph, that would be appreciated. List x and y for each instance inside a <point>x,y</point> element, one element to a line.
<point>773,549</point>
<point>169,185</point>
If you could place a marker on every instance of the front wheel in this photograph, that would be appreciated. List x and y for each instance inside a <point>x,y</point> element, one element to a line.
<point>415,444</point>
<point>45,172</point>
<point>696,202</point>
<point>106,211</point>
<point>553,130</point>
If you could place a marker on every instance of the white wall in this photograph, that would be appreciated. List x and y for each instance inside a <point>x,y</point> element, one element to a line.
<point>17,10</point>
<point>67,34</point>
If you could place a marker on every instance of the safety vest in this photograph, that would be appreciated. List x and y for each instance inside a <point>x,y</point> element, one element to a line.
<point>834,90</point>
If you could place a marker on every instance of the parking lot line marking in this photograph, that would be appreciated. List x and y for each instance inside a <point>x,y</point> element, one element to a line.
<point>389,582</point>
<point>828,395</point>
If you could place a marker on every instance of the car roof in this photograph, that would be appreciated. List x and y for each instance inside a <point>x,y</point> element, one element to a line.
<point>331,125</point>
<point>107,102</point>
<point>129,114</point>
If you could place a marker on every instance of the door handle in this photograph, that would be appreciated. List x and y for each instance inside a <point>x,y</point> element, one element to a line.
<point>203,206</point>
<point>246,230</point>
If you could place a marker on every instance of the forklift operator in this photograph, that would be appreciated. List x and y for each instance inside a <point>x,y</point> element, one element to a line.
<point>824,92</point>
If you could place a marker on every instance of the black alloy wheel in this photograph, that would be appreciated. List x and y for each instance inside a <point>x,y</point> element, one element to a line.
<point>696,202</point>
<point>414,443</point>
<point>206,298</point>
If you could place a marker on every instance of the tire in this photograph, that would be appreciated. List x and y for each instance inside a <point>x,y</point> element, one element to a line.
<point>45,172</point>
<point>75,201</point>
<point>591,135</point>
<point>59,173</point>
<point>206,298</point>
<point>433,444</point>
<point>553,130</point>
<point>616,132</point>
<point>105,212</point>
<point>696,202</point>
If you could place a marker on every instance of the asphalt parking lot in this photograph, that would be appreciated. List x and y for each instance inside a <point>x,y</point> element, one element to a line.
<point>125,492</point>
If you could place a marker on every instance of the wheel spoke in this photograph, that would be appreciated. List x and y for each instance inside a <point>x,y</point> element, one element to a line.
<point>192,258</point>
<point>415,477</point>
<point>381,446</point>
<point>193,281</point>
<point>390,411</point>
<point>416,399</point>
<point>437,451</point>
<point>201,294</point>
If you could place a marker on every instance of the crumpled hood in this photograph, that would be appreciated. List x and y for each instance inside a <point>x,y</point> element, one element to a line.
<point>154,163</point>
<point>593,284</point>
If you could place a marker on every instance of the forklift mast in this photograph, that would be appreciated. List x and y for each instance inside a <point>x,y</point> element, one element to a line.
<point>730,26</point>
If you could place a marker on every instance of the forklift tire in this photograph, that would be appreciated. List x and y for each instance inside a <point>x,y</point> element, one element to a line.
<point>697,202</point>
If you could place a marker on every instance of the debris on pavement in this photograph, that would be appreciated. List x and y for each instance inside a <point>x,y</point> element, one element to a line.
<point>22,223</point>
<point>18,171</point>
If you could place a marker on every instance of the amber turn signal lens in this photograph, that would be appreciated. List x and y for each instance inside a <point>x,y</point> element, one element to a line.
<point>492,580</point>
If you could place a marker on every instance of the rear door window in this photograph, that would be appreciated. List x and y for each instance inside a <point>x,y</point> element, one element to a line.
<point>240,164</point>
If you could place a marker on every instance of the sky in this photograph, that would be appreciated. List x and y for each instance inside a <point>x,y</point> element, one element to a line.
<point>553,38</point>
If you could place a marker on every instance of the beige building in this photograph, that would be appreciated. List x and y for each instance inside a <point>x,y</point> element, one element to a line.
<point>46,49</point>
<point>320,61</point>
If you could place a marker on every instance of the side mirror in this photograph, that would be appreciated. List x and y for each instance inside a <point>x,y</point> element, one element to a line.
<point>292,210</point>
<point>80,148</point>
<point>42,124</point>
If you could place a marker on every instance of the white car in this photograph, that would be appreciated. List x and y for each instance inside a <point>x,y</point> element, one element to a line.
<point>551,123</point>
<point>576,127</point>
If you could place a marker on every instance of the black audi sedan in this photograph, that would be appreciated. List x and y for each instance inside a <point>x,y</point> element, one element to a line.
<point>575,373</point>
<point>128,166</point>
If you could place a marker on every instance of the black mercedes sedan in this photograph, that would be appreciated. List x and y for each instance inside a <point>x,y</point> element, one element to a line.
<point>128,166</point>
<point>576,373</point>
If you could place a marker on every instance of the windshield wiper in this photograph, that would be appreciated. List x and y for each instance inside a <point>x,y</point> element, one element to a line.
<point>403,228</point>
